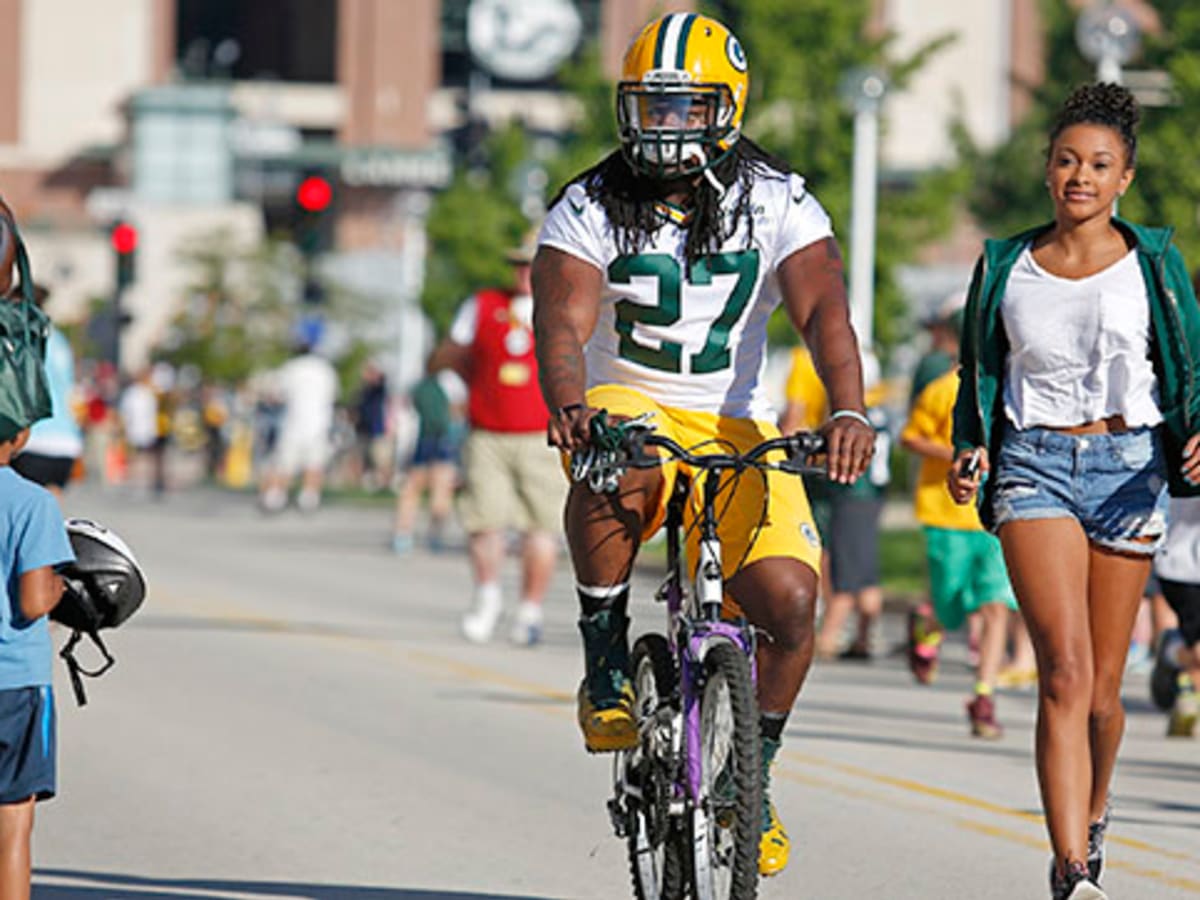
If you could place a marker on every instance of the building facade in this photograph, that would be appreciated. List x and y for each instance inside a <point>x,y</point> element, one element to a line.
<point>192,114</point>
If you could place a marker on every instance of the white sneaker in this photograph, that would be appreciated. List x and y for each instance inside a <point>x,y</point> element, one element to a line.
<point>273,500</point>
<point>480,622</point>
<point>527,625</point>
<point>308,501</point>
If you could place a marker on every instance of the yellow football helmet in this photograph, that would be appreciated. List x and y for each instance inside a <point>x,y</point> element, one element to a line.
<point>681,96</point>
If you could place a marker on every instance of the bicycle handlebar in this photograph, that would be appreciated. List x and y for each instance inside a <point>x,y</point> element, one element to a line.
<point>611,452</point>
<point>798,447</point>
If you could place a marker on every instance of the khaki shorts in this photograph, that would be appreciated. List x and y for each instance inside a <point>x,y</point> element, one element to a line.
<point>511,480</point>
<point>761,517</point>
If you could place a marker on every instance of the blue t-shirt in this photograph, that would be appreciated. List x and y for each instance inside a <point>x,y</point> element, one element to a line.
<point>32,535</point>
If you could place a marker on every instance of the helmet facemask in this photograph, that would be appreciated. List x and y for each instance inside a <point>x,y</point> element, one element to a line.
<point>671,126</point>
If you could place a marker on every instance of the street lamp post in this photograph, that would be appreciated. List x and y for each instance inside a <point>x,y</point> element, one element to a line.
<point>1108,36</point>
<point>863,91</point>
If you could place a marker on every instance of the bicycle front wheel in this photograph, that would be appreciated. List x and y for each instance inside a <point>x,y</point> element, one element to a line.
<point>657,842</point>
<point>727,820</point>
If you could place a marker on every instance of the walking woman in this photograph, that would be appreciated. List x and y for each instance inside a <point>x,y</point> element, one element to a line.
<point>1080,397</point>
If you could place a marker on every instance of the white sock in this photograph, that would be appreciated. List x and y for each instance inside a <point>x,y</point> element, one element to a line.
<point>488,595</point>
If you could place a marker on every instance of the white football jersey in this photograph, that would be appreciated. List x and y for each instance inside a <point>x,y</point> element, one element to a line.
<point>697,341</point>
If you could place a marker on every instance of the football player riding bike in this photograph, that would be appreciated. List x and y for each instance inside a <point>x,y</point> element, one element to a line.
<point>656,274</point>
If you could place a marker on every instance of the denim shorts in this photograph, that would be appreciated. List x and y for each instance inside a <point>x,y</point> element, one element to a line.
<point>1114,485</point>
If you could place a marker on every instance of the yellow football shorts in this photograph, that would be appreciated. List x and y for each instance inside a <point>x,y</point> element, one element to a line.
<point>764,514</point>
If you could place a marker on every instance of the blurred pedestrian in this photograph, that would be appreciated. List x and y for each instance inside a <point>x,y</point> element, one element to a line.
<point>1081,367</point>
<point>942,354</point>
<point>1176,671</point>
<point>138,409</point>
<point>853,547</point>
<point>511,478</point>
<point>55,444</point>
<point>306,387</point>
<point>433,466</point>
<point>966,565</point>
<point>371,428</point>
<point>162,379</point>
<point>214,416</point>
<point>805,408</point>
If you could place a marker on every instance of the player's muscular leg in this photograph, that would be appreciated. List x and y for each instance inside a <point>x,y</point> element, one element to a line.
<point>778,596</point>
<point>604,531</point>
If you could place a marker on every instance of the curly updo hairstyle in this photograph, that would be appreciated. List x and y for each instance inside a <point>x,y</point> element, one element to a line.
<point>1102,104</point>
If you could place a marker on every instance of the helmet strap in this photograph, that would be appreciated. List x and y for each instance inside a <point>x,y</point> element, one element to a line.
<point>76,671</point>
<point>711,178</point>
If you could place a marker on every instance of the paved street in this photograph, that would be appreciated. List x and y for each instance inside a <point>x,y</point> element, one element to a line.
<point>293,714</point>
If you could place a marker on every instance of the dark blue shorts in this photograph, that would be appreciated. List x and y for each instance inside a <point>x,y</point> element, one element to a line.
<point>440,449</point>
<point>1114,485</point>
<point>27,744</point>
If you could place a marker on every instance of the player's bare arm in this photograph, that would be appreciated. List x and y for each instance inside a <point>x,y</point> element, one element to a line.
<point>813,282</point>
<point>566,304</point>
<point>450,355</point>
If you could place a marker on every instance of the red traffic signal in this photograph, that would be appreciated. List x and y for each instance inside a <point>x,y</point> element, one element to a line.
<point>314,194</point>
<point>124,238</point>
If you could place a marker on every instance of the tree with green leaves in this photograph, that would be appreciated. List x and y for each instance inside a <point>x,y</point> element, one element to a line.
<point>472,223</point>
<point>241,308</point>
<point>797,64</point>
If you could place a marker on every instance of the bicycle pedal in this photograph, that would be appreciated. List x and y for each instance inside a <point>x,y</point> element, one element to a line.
<point>619,818</point>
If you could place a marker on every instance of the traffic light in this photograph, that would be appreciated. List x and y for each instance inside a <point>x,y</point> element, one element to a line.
<point>124,240</point>
<point>313,230</point>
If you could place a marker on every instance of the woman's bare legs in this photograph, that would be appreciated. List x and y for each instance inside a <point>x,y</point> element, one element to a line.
<point>1048,563</point>
<point>1115,588</point>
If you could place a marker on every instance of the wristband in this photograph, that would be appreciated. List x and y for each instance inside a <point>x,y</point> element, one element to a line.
<point>569,408</point>
<point>851,414</point>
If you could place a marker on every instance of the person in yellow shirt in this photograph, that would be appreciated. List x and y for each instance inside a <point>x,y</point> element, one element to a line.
<point>805,408</point>
<point>966,565</point>
<point>805,402</point>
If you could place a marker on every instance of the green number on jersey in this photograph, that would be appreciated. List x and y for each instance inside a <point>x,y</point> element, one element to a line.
<point>715,354</point>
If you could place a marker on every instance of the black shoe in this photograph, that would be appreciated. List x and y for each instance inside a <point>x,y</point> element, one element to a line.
<point>1164,675</point>
<point>1095,857</point>
<point>856,652</point>
<point>1074,883</point>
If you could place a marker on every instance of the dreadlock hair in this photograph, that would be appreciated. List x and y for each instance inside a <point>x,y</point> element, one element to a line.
<point>1105,104</point>
<point>629,198</point>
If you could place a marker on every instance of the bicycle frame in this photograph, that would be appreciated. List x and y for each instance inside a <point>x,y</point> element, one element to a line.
<point>694,628</point>
<point>691,632</point>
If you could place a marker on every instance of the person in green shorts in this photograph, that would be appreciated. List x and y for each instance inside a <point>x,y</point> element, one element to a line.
<point>966,565</point>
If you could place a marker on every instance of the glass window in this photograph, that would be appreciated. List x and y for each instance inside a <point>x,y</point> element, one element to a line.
<point>281,40</point>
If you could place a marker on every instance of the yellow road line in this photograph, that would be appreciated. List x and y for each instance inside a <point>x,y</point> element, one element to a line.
<point>480,674</point>
<point>908,784</point>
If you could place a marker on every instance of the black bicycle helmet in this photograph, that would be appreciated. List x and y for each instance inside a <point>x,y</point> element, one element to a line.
<point>113,584</point>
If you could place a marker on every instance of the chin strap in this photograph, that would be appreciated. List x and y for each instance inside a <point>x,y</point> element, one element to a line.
<point>76,671</point>
<point>716,182</point>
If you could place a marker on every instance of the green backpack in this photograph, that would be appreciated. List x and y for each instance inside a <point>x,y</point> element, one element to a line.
<point>24,390</point>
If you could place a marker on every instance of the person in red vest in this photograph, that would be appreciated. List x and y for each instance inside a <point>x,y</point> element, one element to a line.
<point>511,477</point>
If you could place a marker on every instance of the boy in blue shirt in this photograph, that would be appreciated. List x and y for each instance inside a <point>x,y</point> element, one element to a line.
<point>33,540</point>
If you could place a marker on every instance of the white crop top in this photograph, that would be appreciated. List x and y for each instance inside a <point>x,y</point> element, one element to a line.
<point>1079,347</point>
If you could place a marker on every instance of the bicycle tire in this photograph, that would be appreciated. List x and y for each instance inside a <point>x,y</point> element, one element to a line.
<point>727,824</point>
<point>656,843</point>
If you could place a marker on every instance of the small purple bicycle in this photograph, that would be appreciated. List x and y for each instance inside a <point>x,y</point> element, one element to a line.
<point>688,798</point>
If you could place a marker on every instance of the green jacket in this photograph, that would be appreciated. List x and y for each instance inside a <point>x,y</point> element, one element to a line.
<point>1175,348</point>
